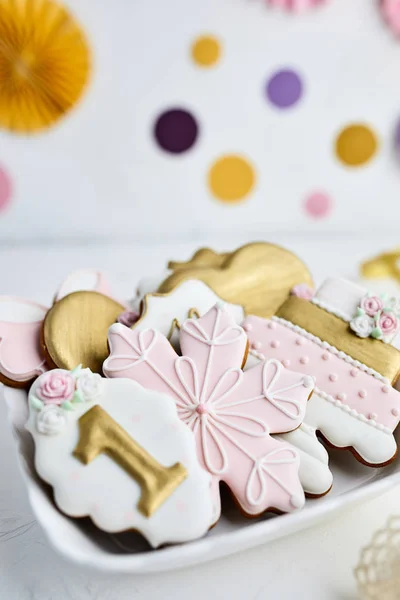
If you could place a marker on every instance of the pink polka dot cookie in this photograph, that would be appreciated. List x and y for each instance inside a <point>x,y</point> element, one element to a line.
<point>342,337</point>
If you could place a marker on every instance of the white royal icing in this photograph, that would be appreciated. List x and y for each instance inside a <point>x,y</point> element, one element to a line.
<point>339,297</point>
<point>102,489</point>
<point>315,474</point>
<point>344,429</point>
<point>161,310</point>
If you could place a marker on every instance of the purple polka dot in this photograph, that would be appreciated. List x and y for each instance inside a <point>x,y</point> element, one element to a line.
<point>176,130</point>
<point>284,88</point>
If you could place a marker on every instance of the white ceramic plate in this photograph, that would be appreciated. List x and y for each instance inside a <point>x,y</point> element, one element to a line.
<point>81,542</point>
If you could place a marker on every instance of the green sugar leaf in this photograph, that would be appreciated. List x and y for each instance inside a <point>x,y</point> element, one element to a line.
<point>67,405</point>
<point>36,403</point>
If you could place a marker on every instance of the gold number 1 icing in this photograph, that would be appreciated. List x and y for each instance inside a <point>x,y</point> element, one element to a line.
<point>119,454</point>
<point>101,433</point>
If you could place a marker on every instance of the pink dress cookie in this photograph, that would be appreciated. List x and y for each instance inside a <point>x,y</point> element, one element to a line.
<point>231,413</point>
<point>21,355</point>
<point>342,338</point>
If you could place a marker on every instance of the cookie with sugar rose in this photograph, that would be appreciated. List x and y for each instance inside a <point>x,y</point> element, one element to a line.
<point>232,413</point>
<point>119,454</point>
<point>343,337</point>
<point>22,356</point>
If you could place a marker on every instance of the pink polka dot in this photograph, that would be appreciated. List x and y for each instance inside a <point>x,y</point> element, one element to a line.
<point>5,189</point>
<point>318,205</point>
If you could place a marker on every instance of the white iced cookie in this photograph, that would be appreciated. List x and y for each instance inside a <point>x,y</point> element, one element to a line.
<point>166,312</point>
<point>119,454</point>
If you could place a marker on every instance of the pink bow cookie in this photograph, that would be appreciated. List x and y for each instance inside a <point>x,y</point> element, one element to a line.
<point>230,411</point>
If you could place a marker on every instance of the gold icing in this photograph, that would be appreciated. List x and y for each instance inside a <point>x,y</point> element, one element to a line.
<point>174,325</point>
<point>99,434</point>
<point>381,357</point>
<point>75,330</point>
<point>386,265</point>
<point>258,276</point>
<point>205,257</point>
<point>193,313</point>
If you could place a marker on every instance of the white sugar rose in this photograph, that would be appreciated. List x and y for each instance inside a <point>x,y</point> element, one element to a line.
<point>51,420</point>
<point>362,326</point>
<point>393,304</point>
<point>89,385</point>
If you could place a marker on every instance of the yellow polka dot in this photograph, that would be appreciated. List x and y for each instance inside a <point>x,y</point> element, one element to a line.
<point>231,178</point>
<point>356,145</point>
<point>206,51</point>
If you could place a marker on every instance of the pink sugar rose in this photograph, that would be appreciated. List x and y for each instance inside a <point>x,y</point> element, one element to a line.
<point>56,387</point>
<point>371,305</point>
<point>302,290</point>
<point>388,323</point>
<point>391,13</point>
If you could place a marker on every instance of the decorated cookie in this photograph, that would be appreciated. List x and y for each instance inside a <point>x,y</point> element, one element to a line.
<point>166,312</point>
<point>343,338</point>
<point>22,357</point>
<point>75,330</point>
<point>230,412</point>
<point>119,454</point>
<point>258,276</point>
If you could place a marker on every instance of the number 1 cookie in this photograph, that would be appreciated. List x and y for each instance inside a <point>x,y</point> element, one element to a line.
<point>119,454</point>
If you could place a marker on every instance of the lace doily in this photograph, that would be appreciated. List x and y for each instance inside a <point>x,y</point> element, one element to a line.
<point>378,573</point>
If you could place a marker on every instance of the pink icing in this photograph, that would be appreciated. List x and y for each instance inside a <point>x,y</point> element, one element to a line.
<point>21,356</point>
<point>360,390</point>
<point>371,305</point>
<point>230,412</point>
<point>56,387</point>
<point>295,5</point>
<point>388,323</point>
<point>302,290</point>
<point>391,13</point>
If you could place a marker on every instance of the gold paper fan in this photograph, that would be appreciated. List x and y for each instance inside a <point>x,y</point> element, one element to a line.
<point>44,63</point>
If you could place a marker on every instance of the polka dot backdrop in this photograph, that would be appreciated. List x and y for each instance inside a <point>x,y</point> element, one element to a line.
<point>249,117</point>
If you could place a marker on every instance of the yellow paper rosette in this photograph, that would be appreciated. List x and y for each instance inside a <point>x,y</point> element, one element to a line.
<point>44,63</point>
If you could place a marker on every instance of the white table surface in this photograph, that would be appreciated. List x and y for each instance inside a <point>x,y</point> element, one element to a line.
<point>317,563</point>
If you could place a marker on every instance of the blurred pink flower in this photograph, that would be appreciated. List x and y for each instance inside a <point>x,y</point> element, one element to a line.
<point>295,5</point>
<point>391,13</point>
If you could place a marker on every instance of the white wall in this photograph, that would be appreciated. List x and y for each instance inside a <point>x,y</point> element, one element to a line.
<point>99,174</point>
